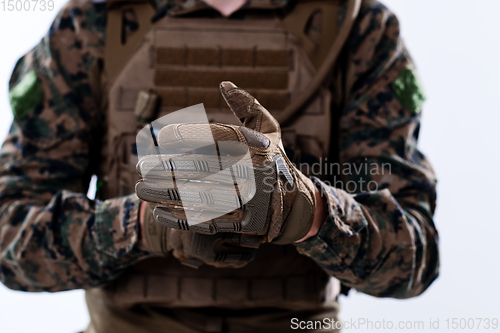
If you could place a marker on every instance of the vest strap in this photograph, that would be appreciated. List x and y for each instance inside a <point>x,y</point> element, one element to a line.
<point>116,54</point>
<point>327,64</point>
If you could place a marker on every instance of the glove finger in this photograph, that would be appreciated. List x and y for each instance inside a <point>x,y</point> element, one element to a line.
<point>253,115</point>
<point>178,219</point>
<point>188,137</point>
<point>179,189</point>
<point>178,211</point>
<point>220,250</point>
<point>208,196</point>
<point>194,166</point>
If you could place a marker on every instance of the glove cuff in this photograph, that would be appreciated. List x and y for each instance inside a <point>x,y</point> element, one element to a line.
<point>301,217</point>
<point>155,234</point>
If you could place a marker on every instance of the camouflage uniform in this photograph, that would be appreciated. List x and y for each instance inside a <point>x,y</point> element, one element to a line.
<point>52,237</point>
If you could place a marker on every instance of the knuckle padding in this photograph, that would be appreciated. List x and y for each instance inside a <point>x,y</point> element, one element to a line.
<point>256,209</point>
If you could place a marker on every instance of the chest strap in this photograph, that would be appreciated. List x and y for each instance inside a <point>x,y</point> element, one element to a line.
<point>327,60</point>
<point>117,51</point>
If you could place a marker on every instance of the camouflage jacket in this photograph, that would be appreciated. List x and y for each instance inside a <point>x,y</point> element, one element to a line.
<point>52,237</point>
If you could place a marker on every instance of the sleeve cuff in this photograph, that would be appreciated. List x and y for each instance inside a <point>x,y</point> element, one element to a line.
<point>116,226</point>
<point>344,221</point>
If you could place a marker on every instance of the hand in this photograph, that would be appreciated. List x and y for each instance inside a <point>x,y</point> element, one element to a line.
<point>283,213</point>
<point>319,218</point>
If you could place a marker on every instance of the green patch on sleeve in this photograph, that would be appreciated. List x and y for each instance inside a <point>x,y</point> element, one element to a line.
<point>409,91</point>
<point>25,95</point>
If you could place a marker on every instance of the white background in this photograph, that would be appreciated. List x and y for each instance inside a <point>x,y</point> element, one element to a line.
<point>455,44</point>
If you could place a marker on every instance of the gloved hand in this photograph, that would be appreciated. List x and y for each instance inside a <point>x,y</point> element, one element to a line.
<point>193,249</point>
<point>273,199</point>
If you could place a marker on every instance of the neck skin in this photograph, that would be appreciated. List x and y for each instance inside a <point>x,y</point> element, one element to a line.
<point>226,7</point>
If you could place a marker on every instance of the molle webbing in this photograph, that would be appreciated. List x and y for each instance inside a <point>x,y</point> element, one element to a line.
<point>263,73</point>
<point>277,277</point>
<point>206,78</point>
<point>250,58</point>
<point>180,97</point>
<point>292,292</point>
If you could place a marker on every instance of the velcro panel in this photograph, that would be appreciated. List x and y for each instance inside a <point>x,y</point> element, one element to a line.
<point>169,77</point>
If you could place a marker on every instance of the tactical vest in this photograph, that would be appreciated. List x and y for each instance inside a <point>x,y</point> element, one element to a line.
<point>182,59</point>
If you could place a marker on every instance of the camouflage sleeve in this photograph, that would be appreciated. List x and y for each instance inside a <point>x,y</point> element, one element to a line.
<point>379,237</point>
<point>51,236</point>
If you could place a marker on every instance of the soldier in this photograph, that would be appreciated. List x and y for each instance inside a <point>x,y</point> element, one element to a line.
<point>343,87</point>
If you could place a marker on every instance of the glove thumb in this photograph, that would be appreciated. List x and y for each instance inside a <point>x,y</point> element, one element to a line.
<point>253,115</point>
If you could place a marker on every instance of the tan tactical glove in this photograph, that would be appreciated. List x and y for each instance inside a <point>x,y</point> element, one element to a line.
<point>273,199</point>
<point>192,249</point>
